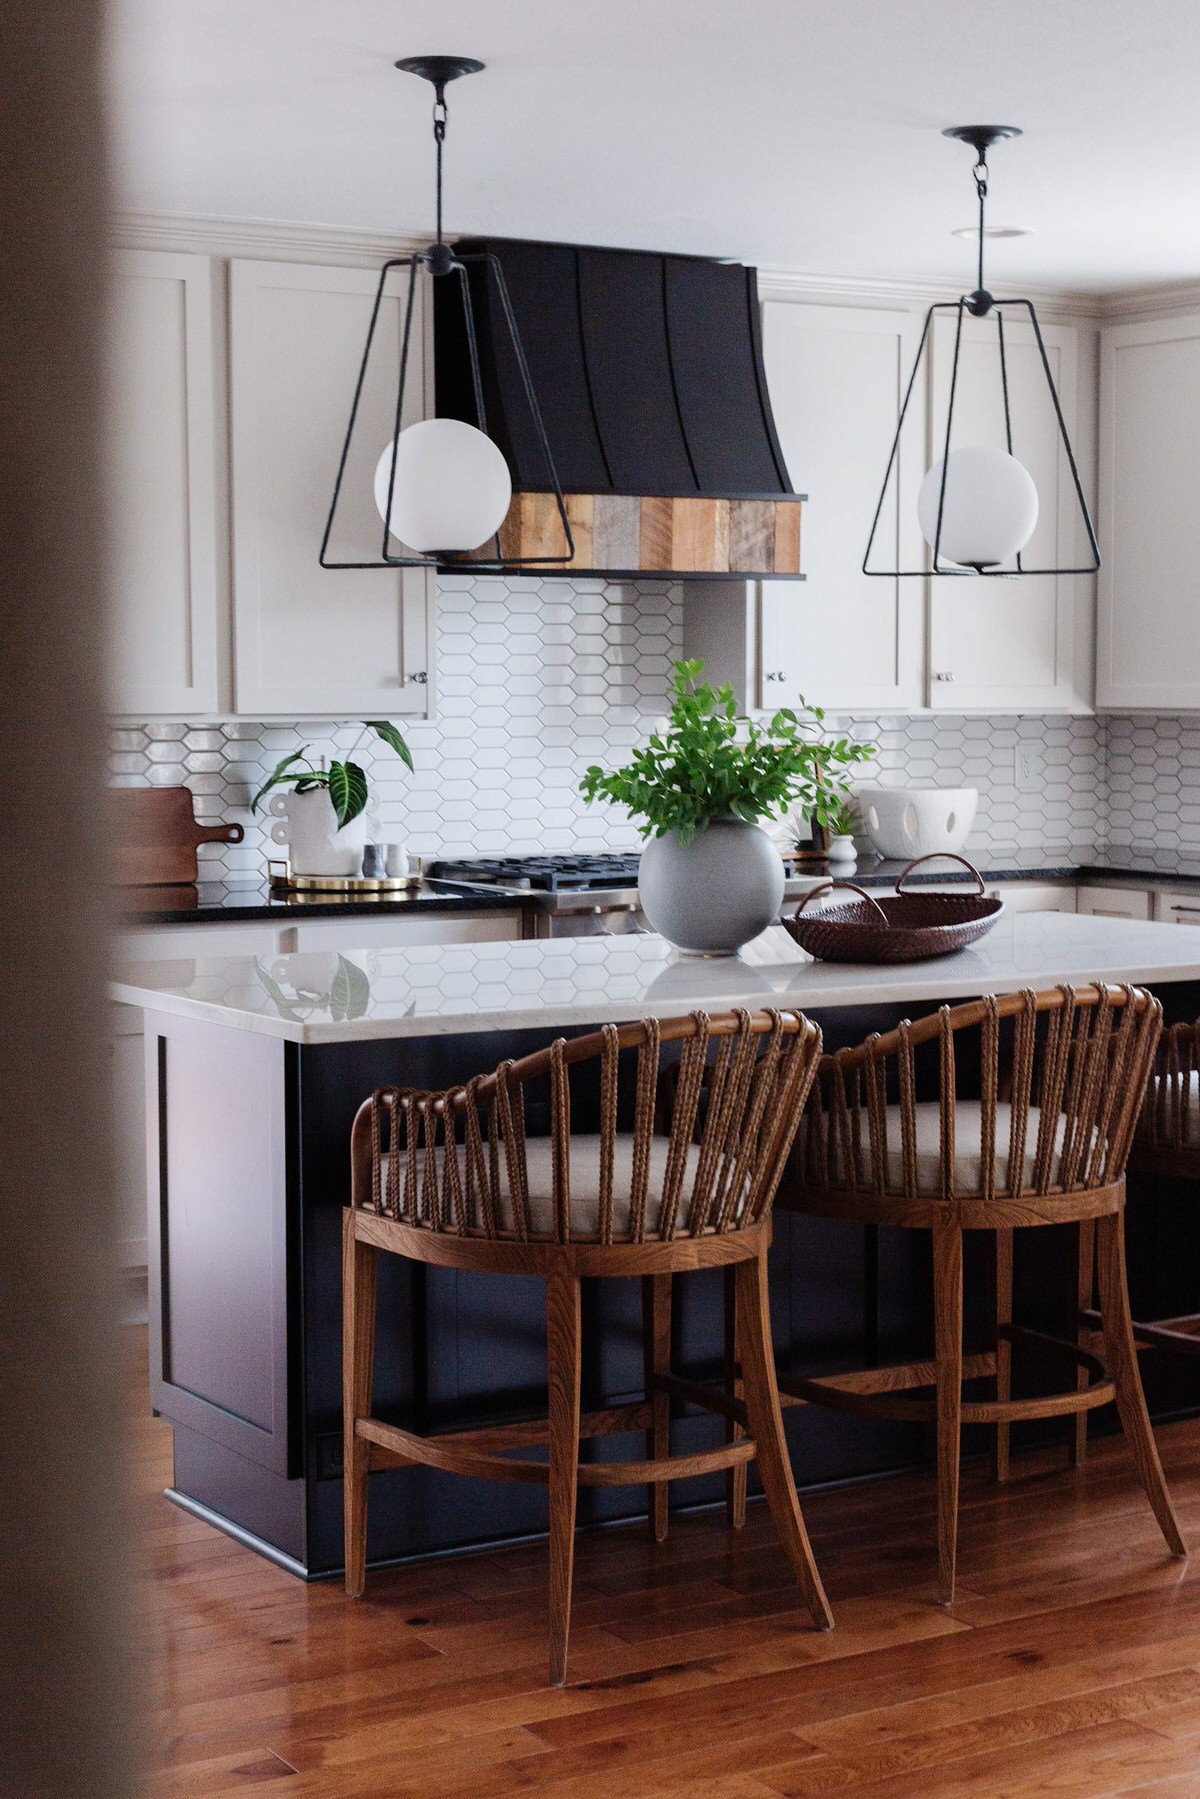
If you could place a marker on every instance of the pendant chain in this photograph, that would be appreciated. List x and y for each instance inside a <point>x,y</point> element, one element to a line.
<point>980,172</point>
<point>440,115</point>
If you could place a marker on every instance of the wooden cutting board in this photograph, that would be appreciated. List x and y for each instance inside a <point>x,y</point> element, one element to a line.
<point>153,836</point>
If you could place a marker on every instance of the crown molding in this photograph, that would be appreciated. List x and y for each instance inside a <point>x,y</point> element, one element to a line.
<point>1143,303</point>
<point>778,283</point>
<point>270,239</point>
<point>280,240</point>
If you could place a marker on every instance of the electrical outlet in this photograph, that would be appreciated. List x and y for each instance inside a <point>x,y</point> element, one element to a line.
<point>1028,768</point>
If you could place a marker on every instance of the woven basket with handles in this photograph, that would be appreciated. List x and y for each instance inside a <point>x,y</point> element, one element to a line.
<point>901,927</point>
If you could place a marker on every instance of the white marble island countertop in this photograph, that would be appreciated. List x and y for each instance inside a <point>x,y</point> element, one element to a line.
<point>327,997</point>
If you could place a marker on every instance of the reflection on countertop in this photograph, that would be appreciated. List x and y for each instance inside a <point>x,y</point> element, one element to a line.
<point>557,983</point>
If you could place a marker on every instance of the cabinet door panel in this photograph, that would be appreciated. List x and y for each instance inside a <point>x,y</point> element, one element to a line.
<point>1114,902</point>
<point>313,641</point>
<point>1148,636</point>
<point>1035,896</point>
<point>844,639</point>
<point>1178,908</point>
<point>159,462</point>
<point>1008,644</point>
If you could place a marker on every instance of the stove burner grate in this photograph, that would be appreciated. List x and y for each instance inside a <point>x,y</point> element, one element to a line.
<point>542,874</point>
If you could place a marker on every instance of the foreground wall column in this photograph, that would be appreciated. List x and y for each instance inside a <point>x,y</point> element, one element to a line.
<point>63,1688</point>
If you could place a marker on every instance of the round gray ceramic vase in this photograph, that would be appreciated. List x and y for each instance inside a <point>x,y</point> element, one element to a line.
<point>711,895</point>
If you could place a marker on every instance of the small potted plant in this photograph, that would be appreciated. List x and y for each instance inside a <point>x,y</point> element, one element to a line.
<point>840,818</point>
<point>322,819</point>
<point>710,877</point>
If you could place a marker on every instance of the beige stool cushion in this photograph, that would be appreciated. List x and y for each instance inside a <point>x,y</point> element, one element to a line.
<point>585,1186</point>
<point>968,1158</point>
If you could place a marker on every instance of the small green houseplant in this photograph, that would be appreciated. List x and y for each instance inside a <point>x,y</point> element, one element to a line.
<point>322,820</point>
<point>345,782</point>
<point>710,878</point>
<point>841,822</point>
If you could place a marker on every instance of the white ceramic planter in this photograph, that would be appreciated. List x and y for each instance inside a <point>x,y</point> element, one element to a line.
<point>309,827</point>
<point>711,895</point>
<point>842,848</point>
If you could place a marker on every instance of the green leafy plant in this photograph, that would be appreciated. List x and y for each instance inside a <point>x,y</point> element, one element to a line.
<point>711,763</point>
<point>841,816</point>
<point>345,781</point>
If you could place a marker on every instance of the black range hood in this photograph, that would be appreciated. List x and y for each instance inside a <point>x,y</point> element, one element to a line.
<point>648,370</point>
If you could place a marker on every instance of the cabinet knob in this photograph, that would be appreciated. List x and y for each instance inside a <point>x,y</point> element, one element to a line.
<point>943,675</point>
<point>420,678</point>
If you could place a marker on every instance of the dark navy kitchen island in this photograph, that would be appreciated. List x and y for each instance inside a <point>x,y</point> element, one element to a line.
<point>250,1106</point>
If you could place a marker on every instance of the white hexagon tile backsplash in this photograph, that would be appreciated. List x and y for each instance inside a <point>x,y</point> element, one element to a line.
<point>537,679</point>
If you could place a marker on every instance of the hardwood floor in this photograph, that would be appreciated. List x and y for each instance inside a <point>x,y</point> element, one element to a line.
<point>1070,1664</point>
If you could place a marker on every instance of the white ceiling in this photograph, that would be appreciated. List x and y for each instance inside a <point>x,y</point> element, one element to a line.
<point>802,133</point>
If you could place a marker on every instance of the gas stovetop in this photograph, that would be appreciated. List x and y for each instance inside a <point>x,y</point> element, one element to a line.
<point>541,874</point>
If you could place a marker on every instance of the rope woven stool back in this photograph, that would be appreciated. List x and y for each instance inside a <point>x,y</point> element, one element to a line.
<point>1060,1077</point>
<point>1171,1115</point>
<point>699,1152</point>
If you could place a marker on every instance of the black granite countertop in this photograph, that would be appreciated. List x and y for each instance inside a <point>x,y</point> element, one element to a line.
<point>1075,864</point>
<point>247,902</point>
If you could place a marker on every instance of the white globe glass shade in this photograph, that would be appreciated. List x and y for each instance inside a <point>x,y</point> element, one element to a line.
<point>990,510</point>
<point>452,486</point>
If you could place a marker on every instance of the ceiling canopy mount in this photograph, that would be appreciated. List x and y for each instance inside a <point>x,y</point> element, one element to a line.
<point>441,69</point>
<point>982,137</point>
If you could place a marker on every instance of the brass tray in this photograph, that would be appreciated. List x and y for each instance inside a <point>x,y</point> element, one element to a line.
<point>280,875</point>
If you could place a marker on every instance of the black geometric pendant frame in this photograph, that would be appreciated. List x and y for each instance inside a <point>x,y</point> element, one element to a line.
<point>442,262</point>
<point>980,304</point>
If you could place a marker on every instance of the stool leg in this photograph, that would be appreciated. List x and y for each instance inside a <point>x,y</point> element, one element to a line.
<point>359,1268</point>
<point>766,1425</point>
<point>1077,1441</point>
<point>947,1318</point>
<point>656,1354</point>
<point>1121,1355</point>
<point>1004,1307</point>
<point>736,1478</point>
<point>563,1350</point>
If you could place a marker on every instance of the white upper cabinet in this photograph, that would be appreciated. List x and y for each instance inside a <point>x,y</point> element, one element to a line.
<point>159,455</point>
<point>1148,627</point>
<point>310,641</point>
<point>1009,645</point>
<point>847,640</point>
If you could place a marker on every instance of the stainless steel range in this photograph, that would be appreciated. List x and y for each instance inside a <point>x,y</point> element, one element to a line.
<point>576,896</point>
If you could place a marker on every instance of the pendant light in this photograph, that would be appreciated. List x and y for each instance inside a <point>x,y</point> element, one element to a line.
<point>442,487</point>
<point>978,505</point>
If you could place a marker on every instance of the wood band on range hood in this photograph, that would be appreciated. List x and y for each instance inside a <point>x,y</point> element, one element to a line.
<point>648,370</point>
<point>619,534</point>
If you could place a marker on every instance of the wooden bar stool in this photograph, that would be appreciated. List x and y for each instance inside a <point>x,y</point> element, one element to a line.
<point>1167,1142</point>
<point>452,1179</point>
<point>1073,1067</point>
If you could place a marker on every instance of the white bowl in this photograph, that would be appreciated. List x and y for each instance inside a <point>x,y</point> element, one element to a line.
<point>917,821</point>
